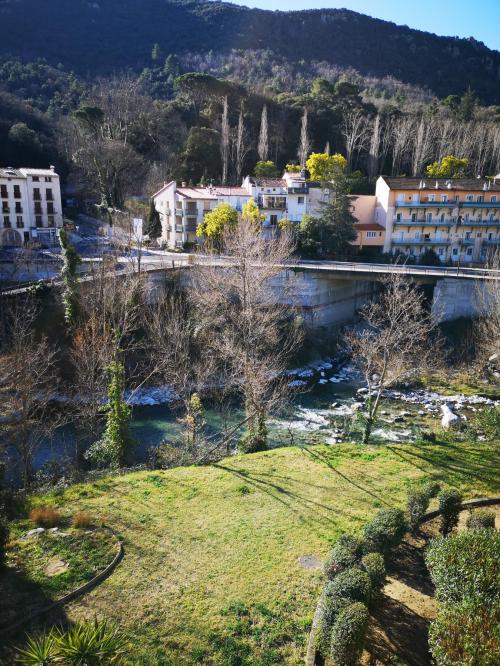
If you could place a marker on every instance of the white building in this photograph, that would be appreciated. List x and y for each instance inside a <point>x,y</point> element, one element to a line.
<point>31,208</point>
<point>182,208</point>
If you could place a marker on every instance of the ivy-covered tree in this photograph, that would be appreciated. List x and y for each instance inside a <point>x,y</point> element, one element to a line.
<point>113,449</point>
<point>71,289</point>
<point>153,226</point>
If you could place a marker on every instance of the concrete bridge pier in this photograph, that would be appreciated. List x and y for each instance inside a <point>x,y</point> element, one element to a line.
<point>454,298</point>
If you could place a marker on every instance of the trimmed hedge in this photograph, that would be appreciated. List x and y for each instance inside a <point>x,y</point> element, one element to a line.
<point>466,633</point>
<point>348,635</point>
<point>417,504</point>
<point>450,505</point>
<point>386,530</point>
<point>465,565</point>
<point>481,519</point>
<point>373,564</point>
<point>330,607</point>
<point>346,552</point>
<point>353,584</point>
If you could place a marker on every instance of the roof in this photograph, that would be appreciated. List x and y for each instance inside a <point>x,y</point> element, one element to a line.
<point>269,182</point>
<point>447,184</point>
<point>23,172</point>
<point>231,191</point>
<point>368,226</point>
<point>196,193</point>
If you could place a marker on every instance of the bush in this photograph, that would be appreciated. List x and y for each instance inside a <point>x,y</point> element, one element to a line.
<point>432,489</point>
<point>450,504</point>
<point>346,552</point>
<point>348,635</point>
<point>465,565</point>
<point>330,607</point>
<point>4,537</point>
<point>353,584</point>
<point>373,564</point>
<point>481,519</point>
<point>386,530</point>
<point>466,633</point>
<point>45,516</point>
<point>417,505</point>
<point>82,519</point>
<point>488,421</point>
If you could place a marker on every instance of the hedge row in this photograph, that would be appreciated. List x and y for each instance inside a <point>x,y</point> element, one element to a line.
<point>355,572</point>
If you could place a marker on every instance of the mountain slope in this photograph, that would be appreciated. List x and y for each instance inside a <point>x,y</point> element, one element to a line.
<point>103,36</point>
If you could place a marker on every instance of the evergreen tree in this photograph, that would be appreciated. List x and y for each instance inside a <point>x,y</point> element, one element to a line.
<point>153,227</point>
<point>71,295</point>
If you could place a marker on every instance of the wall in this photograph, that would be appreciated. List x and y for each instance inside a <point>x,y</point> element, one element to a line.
<point>454,298</point>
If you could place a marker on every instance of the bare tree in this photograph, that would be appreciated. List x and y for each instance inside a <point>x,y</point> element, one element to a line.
<point>304,143</point>
<point>488,326</point>
<point>393,344</point>
<point>355,133</point>
<point>252,332</point>
<point>374,151</point>
<point>263,147</point>
<point>28,386</point>
<point>225,140</point>
<point>402,130</point>
<point>422,145</point>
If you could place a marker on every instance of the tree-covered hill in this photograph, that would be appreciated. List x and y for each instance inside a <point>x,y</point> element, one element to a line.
<point>95,37</point>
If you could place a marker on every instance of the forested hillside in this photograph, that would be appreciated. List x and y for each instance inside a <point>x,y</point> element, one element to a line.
<point>104,36</point>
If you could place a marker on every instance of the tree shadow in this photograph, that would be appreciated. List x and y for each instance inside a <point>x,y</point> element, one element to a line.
<point>397,630</point>
<point>25,608</point>
<point>408,565</point>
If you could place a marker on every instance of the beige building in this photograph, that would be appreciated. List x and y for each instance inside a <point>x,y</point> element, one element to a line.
<point>458,218</point>
<point>31,208</point>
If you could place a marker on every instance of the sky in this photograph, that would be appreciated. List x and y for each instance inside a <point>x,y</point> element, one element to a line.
<point>462,18</point>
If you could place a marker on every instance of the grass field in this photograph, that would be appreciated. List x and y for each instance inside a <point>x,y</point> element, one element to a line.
<point>211,572</point>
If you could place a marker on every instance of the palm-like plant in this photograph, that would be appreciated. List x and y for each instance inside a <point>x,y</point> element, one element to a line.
<point>83,644</point>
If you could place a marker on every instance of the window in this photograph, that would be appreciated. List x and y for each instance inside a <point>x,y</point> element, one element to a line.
<point>6,221</point>
<point>19,222</point>
<point>444,199</point>
<point>17,192</point>
<point>48,194</point>
<point>440,251</point>
<point>5,207</point>
<point>480,198</point>
<point>36,194</point>
<point>35,179</point>
<point>494,199</point>
<point>26,236</point>
<point>371,234</point>
<point>48,179</point>
<point>442,217</point>
<point>455,251</point>
<point>300,200</point>
<point>413,217</point>
<point>469,197</point>
<point>469,252</point>
<point>50,208</point>
<point>50,222</point>
<point>38,208</point>
<point>398,217</point>
<point>431,198</point>
<point>19,208</point>
<point>3,191</point>
<point>429,217</point>
<point>479,234</point>
<point>273,219</point>
<point>467,235</point>
<point>38,220</point>
<point>490,236</point>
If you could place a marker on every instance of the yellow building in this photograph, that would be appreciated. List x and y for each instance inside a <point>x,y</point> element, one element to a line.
<point>458,218</point>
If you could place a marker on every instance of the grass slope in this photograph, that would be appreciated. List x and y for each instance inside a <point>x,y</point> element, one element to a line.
<point>210,573</point>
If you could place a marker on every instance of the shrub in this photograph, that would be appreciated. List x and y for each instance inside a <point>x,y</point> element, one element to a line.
<point>348,635</point>
<point>373,564</point>
<point>330,607</point>
<point>481,519</point>
<point>45,516</point>
<point>488,421</point>
<point>38,651</point>
<point>346,552</point>
<point>450,504</point>
<point>353,584</point>
<point>465,565</point>
<point>386,530</point>
<point>82,519</point>
<point>4,537</point>
<point>432,489</point>
<point>466,633</point>
<point>417,505</point>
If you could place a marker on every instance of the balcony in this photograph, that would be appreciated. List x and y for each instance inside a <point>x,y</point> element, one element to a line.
<point>272,204</point>
<point>420,241</point>
<point>191,212</point>
<point>179,228</point>
<point>477,223</point>
<point>178,211</point>
<point>426,204</point>
<point>420,223</point>
<point>479,204</point>
<point>298,190</point>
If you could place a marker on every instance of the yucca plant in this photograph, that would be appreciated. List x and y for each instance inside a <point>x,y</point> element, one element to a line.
<point>39,651</point>
<point>89,644</point>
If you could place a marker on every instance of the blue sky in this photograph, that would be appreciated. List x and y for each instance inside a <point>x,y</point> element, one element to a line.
<point>463,18</point>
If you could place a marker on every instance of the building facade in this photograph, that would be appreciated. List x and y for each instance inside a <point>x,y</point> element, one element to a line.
<point>458,218</point>
<point>31,208</point>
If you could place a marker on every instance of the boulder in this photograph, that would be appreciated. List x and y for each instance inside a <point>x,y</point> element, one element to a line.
<point>35,533</point>
<point>449,418</point>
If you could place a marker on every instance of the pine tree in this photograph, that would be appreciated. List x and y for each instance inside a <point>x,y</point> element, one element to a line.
<point>153,227</point>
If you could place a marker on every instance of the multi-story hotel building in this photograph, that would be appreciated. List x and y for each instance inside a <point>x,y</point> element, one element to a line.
<point>30,206</point>
<point>458,218</point>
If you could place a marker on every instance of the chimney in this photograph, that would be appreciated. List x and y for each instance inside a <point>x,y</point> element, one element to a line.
<point>52,167</point>
<point>183,184</point>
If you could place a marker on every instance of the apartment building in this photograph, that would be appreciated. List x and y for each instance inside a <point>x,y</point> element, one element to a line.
<point>31,208</point>
<point>458,218</point>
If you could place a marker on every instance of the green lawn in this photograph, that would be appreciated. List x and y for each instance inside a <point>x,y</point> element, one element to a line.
<point>210,573</point>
